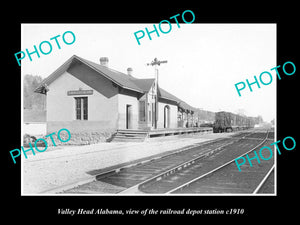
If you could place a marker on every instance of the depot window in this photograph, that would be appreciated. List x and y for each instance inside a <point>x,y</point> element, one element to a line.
<point>81,108</point>
<point>142,111</point>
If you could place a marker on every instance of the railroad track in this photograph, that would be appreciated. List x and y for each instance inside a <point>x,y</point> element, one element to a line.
<point>267,183</point>
<point>224,179</point>
<point>140,178</point>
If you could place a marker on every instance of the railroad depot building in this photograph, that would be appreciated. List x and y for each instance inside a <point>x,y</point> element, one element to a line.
<point>93,99</point>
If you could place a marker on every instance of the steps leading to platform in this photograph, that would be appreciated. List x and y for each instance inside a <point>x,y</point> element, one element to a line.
<point>130,135</point>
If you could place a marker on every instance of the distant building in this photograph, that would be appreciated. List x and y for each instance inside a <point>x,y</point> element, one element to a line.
<point>88,97</point>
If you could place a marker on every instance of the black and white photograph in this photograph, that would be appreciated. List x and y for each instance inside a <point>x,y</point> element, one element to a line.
<point>186,113</point>
<point>146,111</point>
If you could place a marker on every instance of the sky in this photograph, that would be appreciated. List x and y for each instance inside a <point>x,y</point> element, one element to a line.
<point>205,61</point>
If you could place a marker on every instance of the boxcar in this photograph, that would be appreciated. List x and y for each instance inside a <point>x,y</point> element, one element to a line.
<point>223,122</point>
<point>228,122</point>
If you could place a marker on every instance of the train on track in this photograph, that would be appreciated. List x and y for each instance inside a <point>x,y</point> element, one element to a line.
<point>228,122</point>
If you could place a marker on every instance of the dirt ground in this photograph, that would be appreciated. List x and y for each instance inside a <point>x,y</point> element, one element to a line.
<point>63,165</point>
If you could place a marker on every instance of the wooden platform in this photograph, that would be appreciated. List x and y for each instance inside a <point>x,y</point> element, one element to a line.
<point>141,135</point>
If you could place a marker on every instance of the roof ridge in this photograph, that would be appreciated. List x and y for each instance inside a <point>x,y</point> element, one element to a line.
<point>124,76</point>
<point>141,85</point>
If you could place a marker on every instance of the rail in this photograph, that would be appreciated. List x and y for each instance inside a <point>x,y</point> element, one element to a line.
<point>214,170</point>
<point>263,180</point>
<point>136,188</point>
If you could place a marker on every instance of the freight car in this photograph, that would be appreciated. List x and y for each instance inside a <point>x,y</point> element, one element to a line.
<point>228,122</point>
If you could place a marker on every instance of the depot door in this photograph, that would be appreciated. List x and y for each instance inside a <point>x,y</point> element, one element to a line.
<point>166,116</point>
<point>128,116</point>
<point>153,115</point>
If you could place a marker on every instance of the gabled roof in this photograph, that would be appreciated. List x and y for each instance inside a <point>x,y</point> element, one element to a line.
<point>117,77</point>
<point>186,106</point>
<point>182,104</point>
<point>143,84</point>
<point>121,79</point>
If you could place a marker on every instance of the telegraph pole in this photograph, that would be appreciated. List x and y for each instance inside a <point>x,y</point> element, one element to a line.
<point>156,63</point>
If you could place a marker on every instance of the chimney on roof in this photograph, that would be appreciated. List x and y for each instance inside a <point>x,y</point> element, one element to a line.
<point>104,61</point>
<point>129,71</point>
